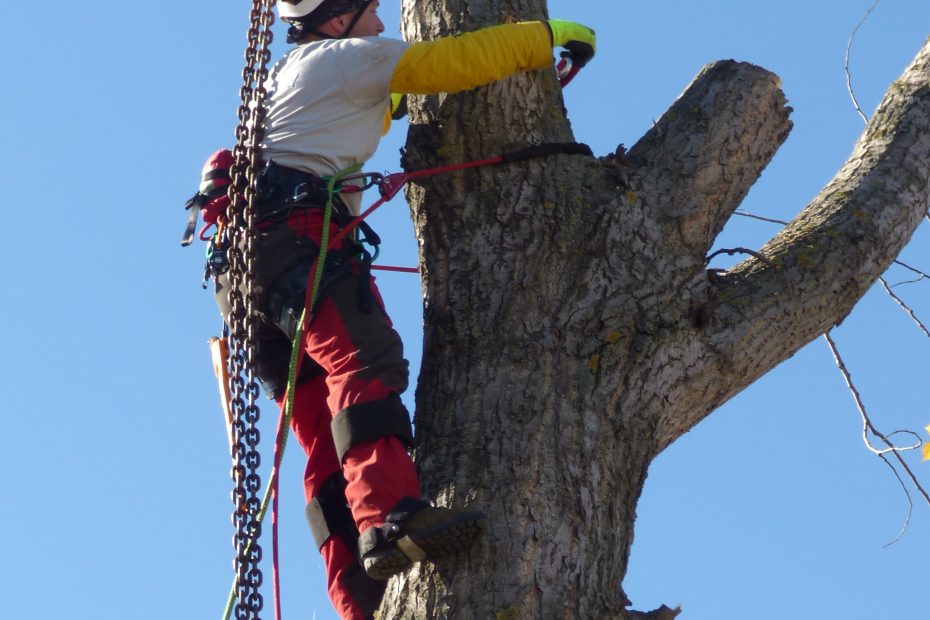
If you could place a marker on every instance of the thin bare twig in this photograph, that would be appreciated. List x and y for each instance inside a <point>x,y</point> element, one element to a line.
<point>868,427</point>
<point>905,307</point>
<point>914,269</point>
<point>923,276</point>
<point>906,432</point>
<point>746,213</point>
<point>733,251</point>
<point>902,282</point>
<point>910,502</point>
<point>852,36</point>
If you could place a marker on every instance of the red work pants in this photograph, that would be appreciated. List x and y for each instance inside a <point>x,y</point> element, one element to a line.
<point>361,357</point>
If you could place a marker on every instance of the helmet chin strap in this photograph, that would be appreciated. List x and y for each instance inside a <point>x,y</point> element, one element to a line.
<point>358,16</point>
<point>295,33</point>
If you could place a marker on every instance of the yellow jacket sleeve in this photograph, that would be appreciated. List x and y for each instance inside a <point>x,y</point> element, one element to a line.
<point>453,64</point>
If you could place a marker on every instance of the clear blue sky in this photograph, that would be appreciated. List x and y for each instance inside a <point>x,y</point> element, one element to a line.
<point>117,500</point>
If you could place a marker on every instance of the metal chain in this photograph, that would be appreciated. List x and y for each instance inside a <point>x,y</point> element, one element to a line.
<point>240,233</point>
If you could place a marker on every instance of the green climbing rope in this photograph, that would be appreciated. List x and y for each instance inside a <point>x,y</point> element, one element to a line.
<point>296,349</point>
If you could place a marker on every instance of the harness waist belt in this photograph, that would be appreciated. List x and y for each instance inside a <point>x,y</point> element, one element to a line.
<point>280,190</point>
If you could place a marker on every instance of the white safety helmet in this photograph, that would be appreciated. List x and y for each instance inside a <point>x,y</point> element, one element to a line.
<point>306,16</point>
<point>297,8</point>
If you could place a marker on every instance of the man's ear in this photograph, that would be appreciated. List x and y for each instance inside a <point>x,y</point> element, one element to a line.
<point>333,26</point>
<point>340,23</point>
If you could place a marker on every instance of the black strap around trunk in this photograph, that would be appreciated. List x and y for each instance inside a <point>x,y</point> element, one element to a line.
<point>547,149</point>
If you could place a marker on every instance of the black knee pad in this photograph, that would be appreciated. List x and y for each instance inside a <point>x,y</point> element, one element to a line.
<point>366,422</point>
<point>328,514</point>
<point>273,361</point>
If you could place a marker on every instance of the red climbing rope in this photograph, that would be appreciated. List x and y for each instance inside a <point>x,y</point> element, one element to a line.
<point>397,269</point>
<point>391,184</point>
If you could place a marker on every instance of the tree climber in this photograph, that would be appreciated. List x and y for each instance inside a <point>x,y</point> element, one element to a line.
<point>329,103</point>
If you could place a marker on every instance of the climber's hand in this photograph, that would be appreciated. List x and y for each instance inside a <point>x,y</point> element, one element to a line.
<point>398,106</point>
<point>579,41</point>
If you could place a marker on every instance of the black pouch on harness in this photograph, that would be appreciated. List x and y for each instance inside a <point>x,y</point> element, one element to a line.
<point>279,250</point>
<point>285,303</point>
<point>273,360</point>
<point>287,295</point>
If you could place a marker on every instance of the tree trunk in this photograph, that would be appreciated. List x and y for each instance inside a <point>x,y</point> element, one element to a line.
<point>572,329</point>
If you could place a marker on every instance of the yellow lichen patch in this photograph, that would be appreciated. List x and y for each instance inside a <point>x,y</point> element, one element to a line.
<point>594,362</point>
<point>807,257</point>
<point>631,196</point>
<point>613,337</point>
<point>508,613</point>
<point>860,214</point>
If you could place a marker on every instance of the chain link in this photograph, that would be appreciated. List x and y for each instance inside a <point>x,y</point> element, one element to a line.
<point>240,231</point>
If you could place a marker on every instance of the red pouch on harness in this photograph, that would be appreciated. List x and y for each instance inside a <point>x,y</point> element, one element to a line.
<point>211,198</point>
<point>214,181</point>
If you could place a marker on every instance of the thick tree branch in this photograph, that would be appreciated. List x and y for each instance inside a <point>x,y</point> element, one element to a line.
<point>826,259</point>
<point>695,166</point>
<point>678,186</point>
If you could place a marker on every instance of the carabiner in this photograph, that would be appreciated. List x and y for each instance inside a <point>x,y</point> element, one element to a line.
<point>204,233</point>
<point>566,70</point>
<point>392,183</point>
<point>369,180</point>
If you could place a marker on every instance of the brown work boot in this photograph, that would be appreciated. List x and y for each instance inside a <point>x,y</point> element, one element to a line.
<point>416,531</point>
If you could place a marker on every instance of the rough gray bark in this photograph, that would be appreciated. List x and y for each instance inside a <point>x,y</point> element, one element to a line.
<point>572,329</point>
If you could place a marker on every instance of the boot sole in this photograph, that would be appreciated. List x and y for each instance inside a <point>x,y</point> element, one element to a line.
<point>433,543</point>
